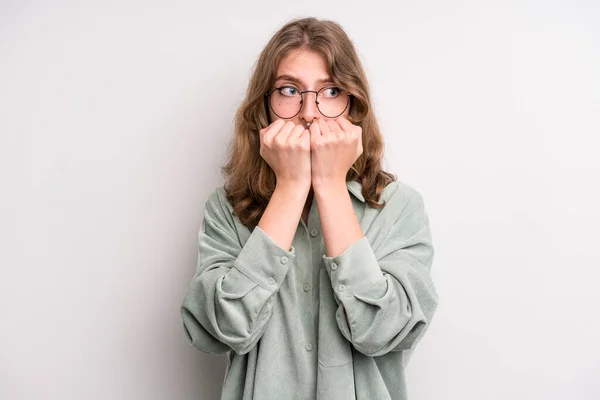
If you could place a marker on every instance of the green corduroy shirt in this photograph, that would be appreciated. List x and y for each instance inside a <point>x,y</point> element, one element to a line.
<point>279,314</point>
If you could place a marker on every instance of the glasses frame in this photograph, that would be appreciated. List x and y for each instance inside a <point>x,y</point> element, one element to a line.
<point>267,101</point>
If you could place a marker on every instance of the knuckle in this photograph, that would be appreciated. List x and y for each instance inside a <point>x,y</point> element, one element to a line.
<point>279,141</point>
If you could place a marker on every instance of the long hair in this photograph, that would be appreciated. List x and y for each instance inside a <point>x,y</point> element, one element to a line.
<point>250,181</point>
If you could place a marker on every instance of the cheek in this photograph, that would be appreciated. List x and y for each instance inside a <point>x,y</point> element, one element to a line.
<point>347,111</point>
<point>273,116</point>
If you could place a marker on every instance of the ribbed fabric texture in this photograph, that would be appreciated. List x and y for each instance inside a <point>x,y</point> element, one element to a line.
<point>279,314</point>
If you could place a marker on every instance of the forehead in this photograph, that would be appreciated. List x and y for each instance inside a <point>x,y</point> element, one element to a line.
<point>307,66</point>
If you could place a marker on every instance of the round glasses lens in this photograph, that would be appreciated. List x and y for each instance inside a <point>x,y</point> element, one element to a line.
<point>332,101</point>
<point>286,101</point>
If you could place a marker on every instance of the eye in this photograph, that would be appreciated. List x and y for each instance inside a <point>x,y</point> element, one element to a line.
<point>288,91</point>
<point>331,92</point>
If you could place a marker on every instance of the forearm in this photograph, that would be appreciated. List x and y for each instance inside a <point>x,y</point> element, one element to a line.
<point>385,294</point>
<point>231,298</point>
<point>338,220</point>
<point>280,218</point>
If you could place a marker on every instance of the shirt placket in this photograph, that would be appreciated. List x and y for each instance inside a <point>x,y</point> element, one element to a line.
<point>310,286</point>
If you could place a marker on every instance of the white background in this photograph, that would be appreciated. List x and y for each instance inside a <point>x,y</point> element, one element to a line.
<point>114,119</point>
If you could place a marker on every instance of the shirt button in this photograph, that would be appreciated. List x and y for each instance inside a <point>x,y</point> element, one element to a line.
<point>306,287</point>
<point>309,346</point>
<point>341,288</point>
<point>271,281</point>
<point>283,260</point>
<point>314,233</point>
<point>334,266</point>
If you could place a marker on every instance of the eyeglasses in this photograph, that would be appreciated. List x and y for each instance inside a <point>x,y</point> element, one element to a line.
<point>286,101</point>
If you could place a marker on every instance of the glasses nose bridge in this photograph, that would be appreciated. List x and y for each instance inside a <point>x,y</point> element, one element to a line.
<point>316,92</point>
<point>303,109</point>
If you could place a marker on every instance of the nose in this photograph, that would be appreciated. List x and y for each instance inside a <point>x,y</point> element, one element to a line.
<point>309,109</point>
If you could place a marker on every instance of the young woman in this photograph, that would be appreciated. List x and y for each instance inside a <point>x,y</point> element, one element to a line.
<point>313,263</point>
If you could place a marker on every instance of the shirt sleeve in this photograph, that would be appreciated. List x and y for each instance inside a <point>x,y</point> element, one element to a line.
<point>231,296</point>
<point>388,294</point>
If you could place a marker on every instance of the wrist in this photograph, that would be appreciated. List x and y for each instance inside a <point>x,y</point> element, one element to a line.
<point>293,188</point>
<point>325,185</point>
<point>326,181</point>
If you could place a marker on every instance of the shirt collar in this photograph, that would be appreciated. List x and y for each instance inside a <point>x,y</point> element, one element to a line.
<point>355,188</point>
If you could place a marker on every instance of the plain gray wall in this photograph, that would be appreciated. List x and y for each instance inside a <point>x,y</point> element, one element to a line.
<point>115,117</point>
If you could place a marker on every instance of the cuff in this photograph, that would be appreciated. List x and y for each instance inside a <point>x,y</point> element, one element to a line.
<point>356,268</point>
<point>263,260</point>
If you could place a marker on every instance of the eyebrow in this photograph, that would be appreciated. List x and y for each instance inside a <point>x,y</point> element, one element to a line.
<point>294,79</point>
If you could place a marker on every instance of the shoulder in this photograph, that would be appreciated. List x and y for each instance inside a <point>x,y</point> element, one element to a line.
<point>402,217</point>
<point>401,197</point>
<point>217,203</point>
<point>218,196</point>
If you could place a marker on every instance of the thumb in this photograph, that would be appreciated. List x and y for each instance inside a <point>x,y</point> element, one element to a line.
<point>305,136</point>
<point>315,132</point>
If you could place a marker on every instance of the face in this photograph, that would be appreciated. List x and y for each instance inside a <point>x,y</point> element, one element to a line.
<point>305,70</point>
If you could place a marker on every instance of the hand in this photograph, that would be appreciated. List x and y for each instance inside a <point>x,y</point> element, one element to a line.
<point>285,146</point>
<point>335,145</point>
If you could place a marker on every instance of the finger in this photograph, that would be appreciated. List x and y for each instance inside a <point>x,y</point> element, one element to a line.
<point>346,125</point>
<point>305,136</point>
<point>296,132</point>
<point>315,129</point>
<point>315,133</point>
<point>324,128</point>
<point>284,133</point>
<point>272,129</point>
<point>333,126</point>
<point>274,124</point>
<point>263,131</point>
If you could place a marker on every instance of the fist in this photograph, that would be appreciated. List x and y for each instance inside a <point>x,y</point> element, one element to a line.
<point>285,146</point>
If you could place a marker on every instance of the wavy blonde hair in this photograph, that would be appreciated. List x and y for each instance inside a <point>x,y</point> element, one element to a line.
<point>250,181</point>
